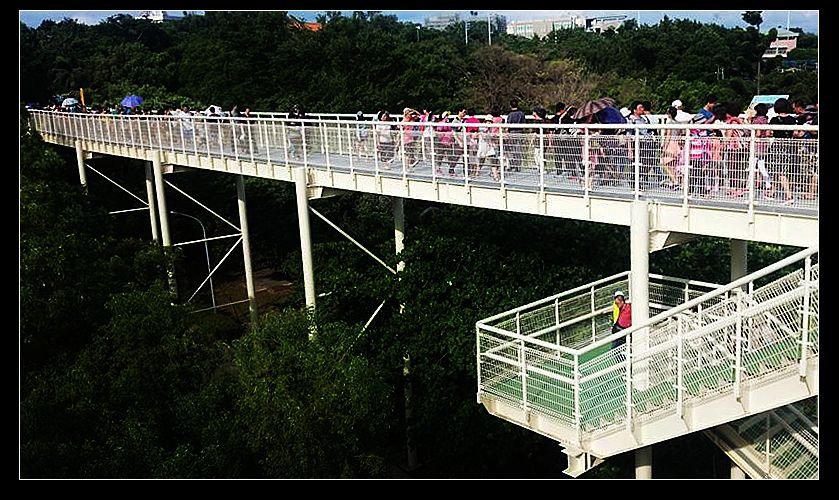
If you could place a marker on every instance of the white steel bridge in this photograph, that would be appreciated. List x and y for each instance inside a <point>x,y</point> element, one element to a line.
<point>737,361</point>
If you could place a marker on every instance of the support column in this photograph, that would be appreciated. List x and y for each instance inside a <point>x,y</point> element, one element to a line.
<point>737,472</point>
<point>163,212</point>
<point>399,229</point>
<point>157,166</point>
<point>80,161</point>
<point>152,205</point>
<point>246,247</point>
<point>399,240</point>
<point>300,184</point>
<point>739,258</point>
<point>639,288</point>
<point>644,463</point>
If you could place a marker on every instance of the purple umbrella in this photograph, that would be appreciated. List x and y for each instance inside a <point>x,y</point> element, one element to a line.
<point>131,101</point>
<point>592,107</point>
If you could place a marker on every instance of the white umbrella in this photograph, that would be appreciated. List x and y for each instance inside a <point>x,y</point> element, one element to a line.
<point>70,101</point>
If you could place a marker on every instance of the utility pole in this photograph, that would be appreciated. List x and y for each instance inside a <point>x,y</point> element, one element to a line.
<point>489,29</point>
<point>466,31</point>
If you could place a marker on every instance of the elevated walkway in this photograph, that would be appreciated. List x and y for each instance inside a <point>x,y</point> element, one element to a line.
<point>714,354</point>
<point>558,171</point>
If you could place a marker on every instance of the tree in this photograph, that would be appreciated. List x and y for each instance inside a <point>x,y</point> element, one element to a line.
<point>753,18</point>
<point>310,408</point>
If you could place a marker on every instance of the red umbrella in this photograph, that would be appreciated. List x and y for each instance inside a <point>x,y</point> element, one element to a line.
<point>592,107</point>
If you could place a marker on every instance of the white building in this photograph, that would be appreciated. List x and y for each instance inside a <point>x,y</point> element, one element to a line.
<point>543,27</point>
<point>158,16</point>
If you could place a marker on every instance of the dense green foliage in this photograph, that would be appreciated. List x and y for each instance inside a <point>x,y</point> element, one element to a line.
<point>370,61</point>
<point>120,379</point>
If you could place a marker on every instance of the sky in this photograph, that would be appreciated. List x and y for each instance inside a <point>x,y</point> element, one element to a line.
<point>806,19</point>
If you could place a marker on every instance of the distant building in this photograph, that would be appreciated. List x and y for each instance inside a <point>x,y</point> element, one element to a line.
<point>440,22</point>
<point>601,24</point>
<point>784,42</point>
<point>499,23</point>
<point>543,27</point>
<point>158,16</point>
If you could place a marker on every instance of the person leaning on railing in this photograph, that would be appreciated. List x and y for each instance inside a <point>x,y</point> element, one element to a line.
<point>621,317</point>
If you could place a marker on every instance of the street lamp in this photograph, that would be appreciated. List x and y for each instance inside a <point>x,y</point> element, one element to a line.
<point>206,252</point>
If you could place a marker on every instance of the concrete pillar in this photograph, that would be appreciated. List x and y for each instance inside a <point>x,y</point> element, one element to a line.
<point>300,184</point>
<point>639,287</point>
<point>157,166</point>
<point>80,161</point>
<point>246,247</point>
<point>739,258</point>
<point>152,205</point>
<point>644,463</point>
<point>737,472</point>
<point>399,229</point>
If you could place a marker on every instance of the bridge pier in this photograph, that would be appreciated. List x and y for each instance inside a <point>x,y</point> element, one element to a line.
<point>152,205</point>
<point>739,258</point>
<point>399,229</point>
<point>644,463</point>
<point>639,294</point>
<point>157,166</point>
<point>246,247</point>
<point>80,161</point>
<point>300,185</point>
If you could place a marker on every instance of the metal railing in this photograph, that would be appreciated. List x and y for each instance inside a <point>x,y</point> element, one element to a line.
<point>783,443</point>
<point>705,345</point>
<point>733,166</point>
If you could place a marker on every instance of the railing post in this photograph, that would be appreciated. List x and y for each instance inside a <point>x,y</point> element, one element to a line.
<point>433,159</point>
<point>805,319</point>
<point>465,158</point>
<point>478,353</point>
<point>627,346</point>
<point>556,318</point>
<point>738,346</point>
<point>541,160</point>
<point>680,364</point>
<point>522,364</point>
<point>637,163</point>
<point>593,325</point>
<point>578,415</point>
<point>324,144</point>
<point>686,171</point>
<point>303,142</point>
<point>501,156</point>
<point>587,174</point>
<point>752,171</point>
<point>376,149</point>
<point>285,143</point>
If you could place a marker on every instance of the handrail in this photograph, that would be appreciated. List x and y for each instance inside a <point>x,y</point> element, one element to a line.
<point>703,298</point>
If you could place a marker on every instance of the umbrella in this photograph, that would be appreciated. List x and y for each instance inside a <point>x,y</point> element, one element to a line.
<point>70,101</point>
<point>131,101</point>
<point>610,114</point>
<point>592,107</point>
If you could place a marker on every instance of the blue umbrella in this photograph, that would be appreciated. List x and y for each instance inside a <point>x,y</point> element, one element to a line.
<point>132,101</point>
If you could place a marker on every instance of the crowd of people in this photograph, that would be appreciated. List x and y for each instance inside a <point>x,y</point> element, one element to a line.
<point>720,160</point>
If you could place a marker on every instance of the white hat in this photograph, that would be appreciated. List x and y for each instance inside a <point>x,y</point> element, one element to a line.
<point>625,112</point>
<point>677,103</point>
<point>619,294</point>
